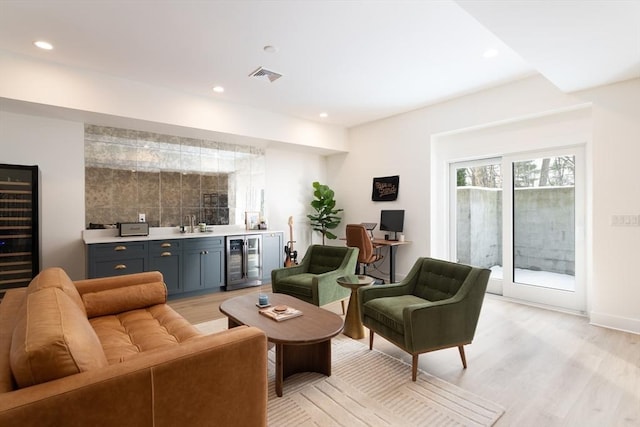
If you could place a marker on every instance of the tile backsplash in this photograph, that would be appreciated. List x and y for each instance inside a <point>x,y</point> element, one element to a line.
<point>165,177</point>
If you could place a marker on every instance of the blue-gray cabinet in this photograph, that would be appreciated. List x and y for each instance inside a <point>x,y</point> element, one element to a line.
<point>166,256</point>
<point>190,265</point>
<point>203,264</point>
<point>272,254</point>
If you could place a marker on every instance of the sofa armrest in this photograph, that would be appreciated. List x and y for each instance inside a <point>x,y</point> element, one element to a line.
<point>221,377</point>
<point>105,283</point>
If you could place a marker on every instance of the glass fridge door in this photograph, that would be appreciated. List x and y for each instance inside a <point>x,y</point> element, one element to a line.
<point>253,248</point>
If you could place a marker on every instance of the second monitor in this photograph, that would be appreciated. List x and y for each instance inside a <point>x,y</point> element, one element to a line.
<point>392,220</point>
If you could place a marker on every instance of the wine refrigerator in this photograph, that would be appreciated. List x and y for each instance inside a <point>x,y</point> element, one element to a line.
<point>244,261</point>
<point>19,237</point>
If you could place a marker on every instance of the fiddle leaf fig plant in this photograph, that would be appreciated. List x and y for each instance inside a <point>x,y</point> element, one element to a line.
<point>326,217</point>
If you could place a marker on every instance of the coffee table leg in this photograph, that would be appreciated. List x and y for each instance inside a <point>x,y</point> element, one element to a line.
<point>291,359</point>
<point>279,366</point>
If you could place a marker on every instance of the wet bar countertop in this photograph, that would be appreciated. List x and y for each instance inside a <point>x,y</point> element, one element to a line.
<point>91,237</point>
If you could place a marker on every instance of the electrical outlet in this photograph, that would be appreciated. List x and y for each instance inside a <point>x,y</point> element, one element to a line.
<point>141,217</point>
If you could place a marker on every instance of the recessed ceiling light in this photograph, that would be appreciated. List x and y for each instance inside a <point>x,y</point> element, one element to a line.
<point>43,45</point>
<point>218,89</point>
<point>490,53</point>
<point>270,49</point>
<point>324,115</point>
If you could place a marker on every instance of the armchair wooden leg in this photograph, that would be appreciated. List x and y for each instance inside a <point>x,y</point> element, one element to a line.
<point>414,367</point>
<point>370,339</point>
<point>462,356</point>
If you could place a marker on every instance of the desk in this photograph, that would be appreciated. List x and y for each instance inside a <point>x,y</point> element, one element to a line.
<point>393,246</point>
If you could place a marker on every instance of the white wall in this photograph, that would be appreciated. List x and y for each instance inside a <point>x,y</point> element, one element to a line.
<point>57,147</point>
<point>402,145</point>
<point>289,193</point>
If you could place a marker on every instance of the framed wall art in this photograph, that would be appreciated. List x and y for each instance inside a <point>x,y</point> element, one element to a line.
<point>385,189</point>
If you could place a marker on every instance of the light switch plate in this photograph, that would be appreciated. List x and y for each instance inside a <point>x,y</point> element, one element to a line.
<point>142,217</point>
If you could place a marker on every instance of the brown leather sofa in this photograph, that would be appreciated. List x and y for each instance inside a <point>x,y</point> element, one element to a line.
<point>111,352</point>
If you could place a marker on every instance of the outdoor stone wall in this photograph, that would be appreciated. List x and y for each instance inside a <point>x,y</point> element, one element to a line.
<point>544,228</point>
<point>479,226</point>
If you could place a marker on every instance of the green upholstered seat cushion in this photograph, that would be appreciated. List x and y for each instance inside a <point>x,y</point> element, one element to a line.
<point>388,310</point>
<point>440,280</point>
<point>297,285</point>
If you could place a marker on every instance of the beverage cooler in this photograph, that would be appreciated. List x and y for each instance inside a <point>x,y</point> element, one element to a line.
<point>19,243</point>
<point>244,261</point>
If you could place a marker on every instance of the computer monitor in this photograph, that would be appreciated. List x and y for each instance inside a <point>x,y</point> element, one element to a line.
<point>392,220</point>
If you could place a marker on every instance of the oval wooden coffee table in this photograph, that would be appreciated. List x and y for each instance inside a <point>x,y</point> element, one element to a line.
<point>303,343</point>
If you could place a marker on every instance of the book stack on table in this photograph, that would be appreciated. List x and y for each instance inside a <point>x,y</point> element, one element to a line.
<point>280,312</point>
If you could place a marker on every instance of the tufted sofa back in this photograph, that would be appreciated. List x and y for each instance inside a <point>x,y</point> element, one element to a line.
<point>326,258</point>
<point>438,279</point>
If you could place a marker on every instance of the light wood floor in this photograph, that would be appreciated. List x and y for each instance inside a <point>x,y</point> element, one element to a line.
<point>544,367</point>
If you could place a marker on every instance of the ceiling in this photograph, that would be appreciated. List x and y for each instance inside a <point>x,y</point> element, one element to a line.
<point>358,61</point>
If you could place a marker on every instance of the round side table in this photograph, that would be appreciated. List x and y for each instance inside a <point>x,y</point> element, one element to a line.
<point>352,324</point>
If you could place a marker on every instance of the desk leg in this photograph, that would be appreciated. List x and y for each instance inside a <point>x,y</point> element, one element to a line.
<point>392,263</point>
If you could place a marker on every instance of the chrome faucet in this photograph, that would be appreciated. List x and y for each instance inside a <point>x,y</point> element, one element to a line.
<point>192,222</point>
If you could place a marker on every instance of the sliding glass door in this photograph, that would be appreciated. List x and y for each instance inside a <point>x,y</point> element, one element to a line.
<point>545,257</point>
<point>477,203</point>
<point>522,216</point>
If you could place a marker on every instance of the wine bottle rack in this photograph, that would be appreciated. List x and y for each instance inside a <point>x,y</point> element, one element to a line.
<point>19,242</point>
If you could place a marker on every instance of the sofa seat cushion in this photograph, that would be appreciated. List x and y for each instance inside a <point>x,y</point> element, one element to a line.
<point>298,285</point>
<point>128,334</point>
<point>52,339</point>
<point>388,311</point>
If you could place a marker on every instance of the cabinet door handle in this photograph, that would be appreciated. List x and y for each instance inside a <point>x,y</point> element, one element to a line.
<point>120,267</point>
<point>120,248</point>
<point>165,254</point>
<point>165,245</point>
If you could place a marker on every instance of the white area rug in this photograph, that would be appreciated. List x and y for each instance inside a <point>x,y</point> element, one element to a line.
<point>369,388</point>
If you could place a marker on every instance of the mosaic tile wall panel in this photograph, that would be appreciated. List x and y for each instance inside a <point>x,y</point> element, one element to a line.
<point>167,178</point>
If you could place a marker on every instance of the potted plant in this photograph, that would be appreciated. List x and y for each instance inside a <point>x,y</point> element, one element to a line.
<point>326,217</point>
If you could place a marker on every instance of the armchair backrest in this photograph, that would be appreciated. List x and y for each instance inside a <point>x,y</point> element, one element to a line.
<point>322,259</point>
<point>438,280</point>
<point>357,237</point>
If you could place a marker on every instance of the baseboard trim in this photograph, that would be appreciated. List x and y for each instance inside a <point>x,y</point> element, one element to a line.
<point>619,323</point>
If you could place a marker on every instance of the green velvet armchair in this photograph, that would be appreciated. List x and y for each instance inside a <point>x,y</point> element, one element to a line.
<point>436,306</point>
<point>314,279</point>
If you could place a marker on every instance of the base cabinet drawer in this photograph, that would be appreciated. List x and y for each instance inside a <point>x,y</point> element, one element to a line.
<point>120,267</point>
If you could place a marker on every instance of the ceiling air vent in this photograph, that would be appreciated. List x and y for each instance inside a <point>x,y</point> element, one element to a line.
<point>263,72</point>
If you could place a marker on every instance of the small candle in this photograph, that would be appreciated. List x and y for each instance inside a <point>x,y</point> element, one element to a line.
<point>263,299</point>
